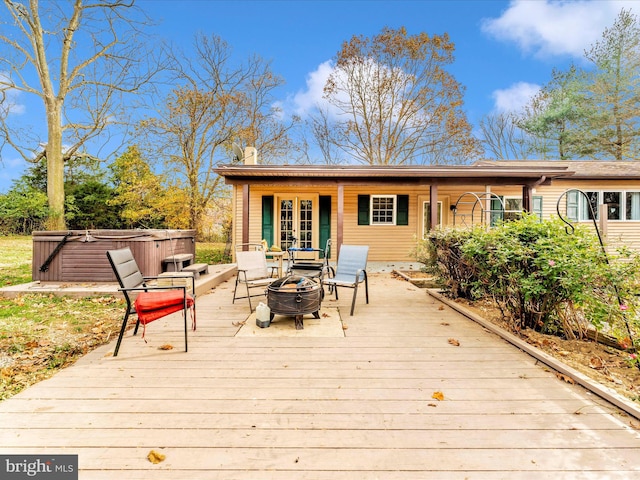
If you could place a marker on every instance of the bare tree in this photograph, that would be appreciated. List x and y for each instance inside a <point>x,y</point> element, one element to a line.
<point>502,138</point>
<point>396,104</point>
<point>218,101</point>
<point>79,59</point>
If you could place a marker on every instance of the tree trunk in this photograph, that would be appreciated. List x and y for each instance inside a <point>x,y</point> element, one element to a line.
<point>55,168</point>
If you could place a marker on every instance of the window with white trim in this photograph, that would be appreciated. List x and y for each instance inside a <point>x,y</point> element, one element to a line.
<point>621,205</point>
<point>383,209</point>
<point>512,208</point>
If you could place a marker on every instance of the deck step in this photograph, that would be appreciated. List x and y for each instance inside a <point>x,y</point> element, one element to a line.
<point>176,263</point>
<point>197,269</point>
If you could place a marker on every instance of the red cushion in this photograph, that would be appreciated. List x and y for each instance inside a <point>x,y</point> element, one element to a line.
<point>151,306</point>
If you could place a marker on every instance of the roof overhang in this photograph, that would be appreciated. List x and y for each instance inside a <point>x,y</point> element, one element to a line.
<point>385,175</point>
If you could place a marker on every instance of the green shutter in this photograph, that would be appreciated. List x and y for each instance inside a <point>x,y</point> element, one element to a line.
<point>325,221</point>
<point>402,210</point>
<point>537,206</point>
<point>267,219</point>
<point>363,209</point>
<point>497,210</point>
<point>572,205</point>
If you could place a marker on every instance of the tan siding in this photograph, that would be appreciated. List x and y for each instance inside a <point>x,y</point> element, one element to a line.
<point>397,243</point>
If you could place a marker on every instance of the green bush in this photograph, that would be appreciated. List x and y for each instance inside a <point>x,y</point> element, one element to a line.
<point>540,276</point>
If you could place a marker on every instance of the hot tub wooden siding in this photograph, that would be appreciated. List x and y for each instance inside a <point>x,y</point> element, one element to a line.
<point>80,260</point>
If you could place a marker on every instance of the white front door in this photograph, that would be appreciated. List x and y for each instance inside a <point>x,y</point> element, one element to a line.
<point>297,218</point>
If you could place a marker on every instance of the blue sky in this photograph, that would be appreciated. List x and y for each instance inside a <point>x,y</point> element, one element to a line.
<point>505,50</point>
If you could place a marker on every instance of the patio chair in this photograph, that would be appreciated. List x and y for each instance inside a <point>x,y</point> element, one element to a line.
<point>301,264</point>
<point>253,271</point>
<point>350,271</point>
<point>152,301</point>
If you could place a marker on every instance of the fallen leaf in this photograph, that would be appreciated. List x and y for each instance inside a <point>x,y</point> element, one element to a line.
<point>238,324</point>
<point>441,307</point>
<point>438,396</point>
<point>166,346</point>
<point>596,363</point>
<point>344,326</point>
<point>454,342</point>
<point>634,425</point>
<point>565,378</point>
<point>444,324</point>
<point>156,457</point>
<point>325,315</point>
<point>431,405</point>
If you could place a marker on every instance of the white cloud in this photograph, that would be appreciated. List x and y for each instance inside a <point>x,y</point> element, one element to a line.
<point>549,28</point>
<point>512,99</point>
<point>307,100</point>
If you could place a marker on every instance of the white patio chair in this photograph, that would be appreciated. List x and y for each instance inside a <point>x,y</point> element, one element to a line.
<point>253,271</point>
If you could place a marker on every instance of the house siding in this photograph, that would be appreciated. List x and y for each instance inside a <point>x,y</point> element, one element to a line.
<point>398,242</point>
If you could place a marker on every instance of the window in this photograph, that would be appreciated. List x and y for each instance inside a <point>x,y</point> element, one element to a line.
<point>383,209</point>
<point>426,217</point>
<point>512,208</point>
<point>612,200</point>
<point>621,205</point>
<point>508,209</point>
<point>632,209</point>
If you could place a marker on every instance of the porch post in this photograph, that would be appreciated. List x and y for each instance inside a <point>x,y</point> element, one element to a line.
<point>433,205</point>
<point>245,213</point>
<point>339,233</point>
<point>527,192</point>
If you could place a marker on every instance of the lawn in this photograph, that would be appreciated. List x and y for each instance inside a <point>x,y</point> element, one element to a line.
<point>42,333</point>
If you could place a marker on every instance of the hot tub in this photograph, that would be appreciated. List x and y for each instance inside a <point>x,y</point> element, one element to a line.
<point>80,255</point>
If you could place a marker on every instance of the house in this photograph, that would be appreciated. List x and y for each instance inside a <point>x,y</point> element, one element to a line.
<point>390,207</point>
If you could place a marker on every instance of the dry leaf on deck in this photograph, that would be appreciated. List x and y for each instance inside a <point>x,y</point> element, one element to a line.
<point>454,342</point>
<point>441,307</point>
<point>565,378</point>
<point>166,346</point>
<point>156,457</point>
<point>438,396</point>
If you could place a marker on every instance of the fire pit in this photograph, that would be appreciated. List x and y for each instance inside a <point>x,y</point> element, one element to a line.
<point>294,295</point>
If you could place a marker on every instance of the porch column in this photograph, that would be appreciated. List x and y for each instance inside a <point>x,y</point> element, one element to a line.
<point>339,233</point>
<point>245,213</point>
<point>433,205</point>
<point>527,192</point>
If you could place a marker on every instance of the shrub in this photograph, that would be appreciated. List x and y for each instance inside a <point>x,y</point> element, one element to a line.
<point>540,276</point>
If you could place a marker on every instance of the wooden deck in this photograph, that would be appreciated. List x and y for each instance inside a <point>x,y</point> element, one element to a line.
<point>355,407</point>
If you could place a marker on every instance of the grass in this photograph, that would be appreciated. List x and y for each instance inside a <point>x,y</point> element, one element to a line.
<point>42,333</point>
<point>15,261</point>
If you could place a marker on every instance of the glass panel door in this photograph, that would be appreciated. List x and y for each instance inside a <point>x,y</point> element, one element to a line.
<point>287,233</point>
<point>298,220</point>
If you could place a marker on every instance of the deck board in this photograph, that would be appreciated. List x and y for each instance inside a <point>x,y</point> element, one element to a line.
<point>358,406</point>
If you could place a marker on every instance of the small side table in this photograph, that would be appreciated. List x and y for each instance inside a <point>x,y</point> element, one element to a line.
<point>277,256</point>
